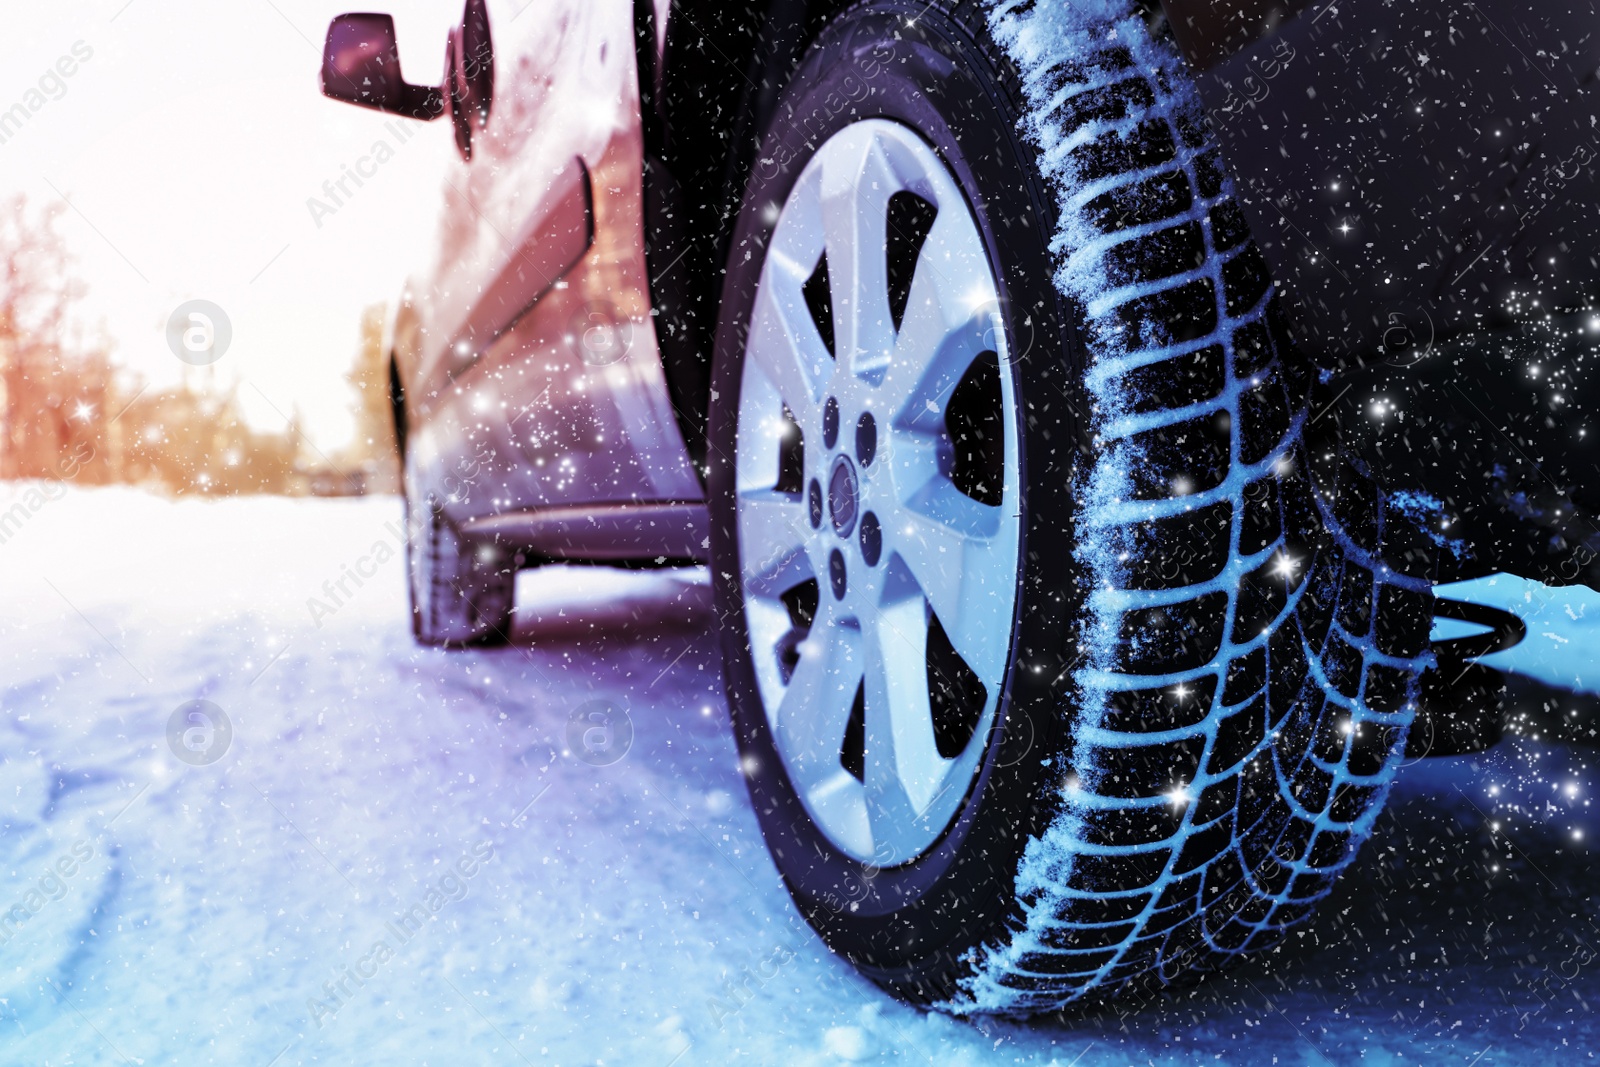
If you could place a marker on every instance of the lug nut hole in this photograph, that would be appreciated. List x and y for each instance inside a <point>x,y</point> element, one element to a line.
<point>871,539</point>
<point>866,438</point>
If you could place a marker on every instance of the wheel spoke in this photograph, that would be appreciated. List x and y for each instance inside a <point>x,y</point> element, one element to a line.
<point>952,280</point>
<point>772,540</point>
<point>957,553</point>
<point>899,732</point>
<point>815,708</point>
<point>935,347</point>
<point>950,318</point>
<point>856,184</point>
<point>927,366</point>
<point>783,343</point>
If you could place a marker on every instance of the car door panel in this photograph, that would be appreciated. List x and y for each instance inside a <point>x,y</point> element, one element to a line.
<point>564,401</point>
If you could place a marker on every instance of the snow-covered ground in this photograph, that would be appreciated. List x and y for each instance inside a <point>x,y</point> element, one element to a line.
<point>417,857</point>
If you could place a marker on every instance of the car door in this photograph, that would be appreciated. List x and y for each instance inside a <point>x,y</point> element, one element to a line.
<point>528,347</point>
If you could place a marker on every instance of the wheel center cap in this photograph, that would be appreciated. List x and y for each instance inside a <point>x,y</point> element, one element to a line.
<point>842,496</point>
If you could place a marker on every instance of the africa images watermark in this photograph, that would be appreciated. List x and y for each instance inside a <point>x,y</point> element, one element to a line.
<point>337,191</point>
<point>740,989</point>
<point>599,733</point>
<point>338,592</point>
<point>199,733</point>
<point>51,85</point>
<point>33,499</point>
<point>447,889</point>
<point>52,885</point>
<point>199,332</point>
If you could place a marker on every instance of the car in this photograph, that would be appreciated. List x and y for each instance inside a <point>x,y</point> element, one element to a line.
<point>990,355</point>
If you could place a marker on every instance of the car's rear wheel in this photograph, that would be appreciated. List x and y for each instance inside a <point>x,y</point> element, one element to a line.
<point>1050,671</point>
<point>462,592</point>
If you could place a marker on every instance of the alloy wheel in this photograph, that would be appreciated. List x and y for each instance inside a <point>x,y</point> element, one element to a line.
<point>878,492</point>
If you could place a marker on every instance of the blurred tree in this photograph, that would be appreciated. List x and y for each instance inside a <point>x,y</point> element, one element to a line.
<point>54,395</point>
<point>194,438</point>
<point>372,450</point>
<point>67,412</point>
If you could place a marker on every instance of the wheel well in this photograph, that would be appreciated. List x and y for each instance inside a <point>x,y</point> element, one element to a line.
<point>704,97</point>
<point>397,406</point>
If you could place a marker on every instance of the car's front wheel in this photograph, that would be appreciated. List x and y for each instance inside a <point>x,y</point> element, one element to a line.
<point>1050,671</point>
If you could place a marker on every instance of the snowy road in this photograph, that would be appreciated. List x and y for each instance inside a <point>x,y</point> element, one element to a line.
<point>417,857</point>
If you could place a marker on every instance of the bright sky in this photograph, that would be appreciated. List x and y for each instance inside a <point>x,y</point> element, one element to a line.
<point>188,145</point>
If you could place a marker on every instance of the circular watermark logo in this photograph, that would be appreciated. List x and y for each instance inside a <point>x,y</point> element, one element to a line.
<point>1408,335</point>
<point>601,335</point>
<point>199,733</point>
<point>599,733</point>
<point>1026,748</point>
<point>199,332</point>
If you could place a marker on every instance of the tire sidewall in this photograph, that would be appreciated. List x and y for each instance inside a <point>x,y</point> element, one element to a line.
<point>909,926</point>
<point>419,546</point>
<point>443,575</point>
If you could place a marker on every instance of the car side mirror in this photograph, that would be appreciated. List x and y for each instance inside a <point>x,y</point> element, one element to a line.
<point>469,74</point>
<point>361,66</point>
<point>472,74</point>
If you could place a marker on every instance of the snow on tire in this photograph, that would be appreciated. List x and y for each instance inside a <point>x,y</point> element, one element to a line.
<point>1216,629</point>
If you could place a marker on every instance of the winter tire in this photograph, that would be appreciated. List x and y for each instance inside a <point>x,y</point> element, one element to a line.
<point>462,593</point>
<point>1053,669</point>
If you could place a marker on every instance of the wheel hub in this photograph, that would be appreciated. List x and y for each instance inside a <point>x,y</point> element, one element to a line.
<point>842,493</point>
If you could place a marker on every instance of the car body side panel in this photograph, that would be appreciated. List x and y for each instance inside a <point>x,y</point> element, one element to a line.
<point>565,402</point>
<point>1409,167</point>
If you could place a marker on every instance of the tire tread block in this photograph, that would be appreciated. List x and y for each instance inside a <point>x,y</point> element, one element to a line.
<point>1174,637</point>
